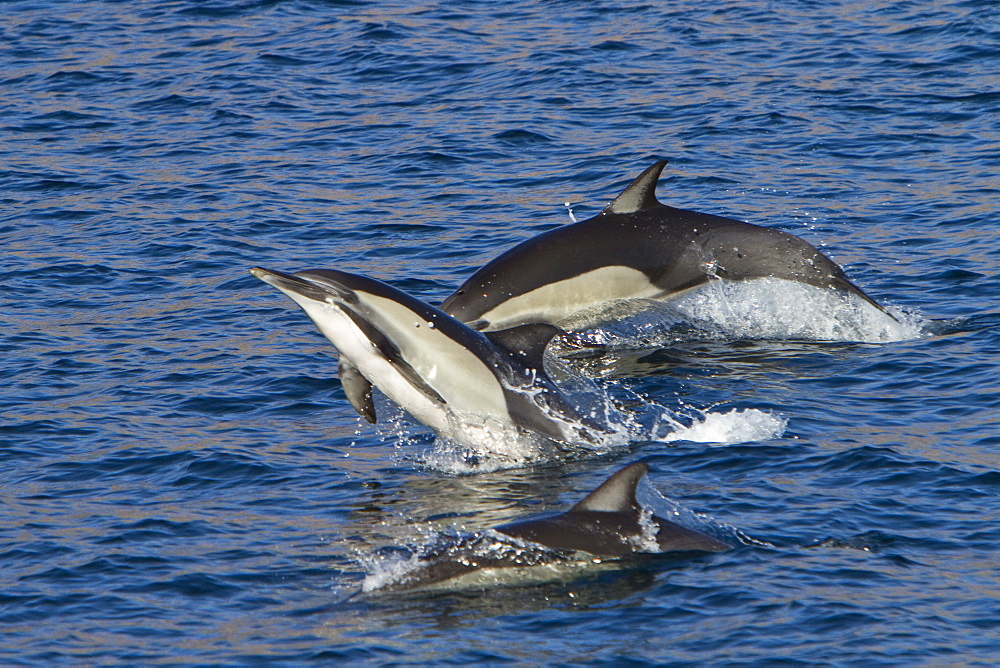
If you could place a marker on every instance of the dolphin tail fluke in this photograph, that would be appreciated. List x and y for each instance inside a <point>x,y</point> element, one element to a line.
<point>641,193</point>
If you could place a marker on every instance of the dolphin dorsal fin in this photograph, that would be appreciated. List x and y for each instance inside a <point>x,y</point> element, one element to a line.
<point>641,193</point>
<point>617,493</point>
<point>526,342</point>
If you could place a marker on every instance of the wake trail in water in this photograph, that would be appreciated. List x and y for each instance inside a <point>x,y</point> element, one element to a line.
<point>655,502</point>
<point>761,309</point>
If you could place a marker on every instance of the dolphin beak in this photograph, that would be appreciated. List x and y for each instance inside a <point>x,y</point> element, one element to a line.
<point>292,285</point>
<point>268,275</point>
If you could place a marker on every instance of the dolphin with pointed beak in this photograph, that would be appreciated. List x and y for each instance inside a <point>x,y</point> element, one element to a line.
<point>433,366</point>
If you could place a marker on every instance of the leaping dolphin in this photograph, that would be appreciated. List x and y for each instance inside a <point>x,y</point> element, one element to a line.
<point>608,523</point>
<point>430,364</point>
<point>635,248</point>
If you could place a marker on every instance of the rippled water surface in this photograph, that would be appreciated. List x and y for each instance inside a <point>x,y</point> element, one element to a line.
<point>183,479</point>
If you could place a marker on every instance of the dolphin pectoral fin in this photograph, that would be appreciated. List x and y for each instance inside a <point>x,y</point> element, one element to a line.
<point>641,193</point>
<point>358,390</point>
<point>527,343</point>
<point>526,412</point>
<point>617,493</point>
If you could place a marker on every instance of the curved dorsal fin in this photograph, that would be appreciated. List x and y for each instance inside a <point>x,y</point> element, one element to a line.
<point>617,493</point>
<point>526,342</point>
<point>641,193</point>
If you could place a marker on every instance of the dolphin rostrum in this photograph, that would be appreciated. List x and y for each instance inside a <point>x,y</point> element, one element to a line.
<point>430,364</point>
<point>636,248</point>
<point>608,523</point>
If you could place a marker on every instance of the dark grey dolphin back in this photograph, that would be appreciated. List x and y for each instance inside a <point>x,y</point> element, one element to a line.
<point>605,522</point>
<point>743,251</point>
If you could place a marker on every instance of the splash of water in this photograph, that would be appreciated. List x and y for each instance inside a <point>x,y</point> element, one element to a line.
<point>734,426</point>
<point>475,445</point>
<point>762,309</point>
<point>646,540</point>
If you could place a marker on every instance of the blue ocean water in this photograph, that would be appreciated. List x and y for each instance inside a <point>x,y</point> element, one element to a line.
<point>183,479</point>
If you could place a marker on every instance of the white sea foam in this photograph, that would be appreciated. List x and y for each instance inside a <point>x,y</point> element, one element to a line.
<point>771,308</point>
<point>646,540</point>
<point>764,309</point>
<point>733,426</point>
<point>384,571</point>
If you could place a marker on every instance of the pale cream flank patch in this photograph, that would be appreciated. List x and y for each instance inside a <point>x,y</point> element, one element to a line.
<point>557,301</point>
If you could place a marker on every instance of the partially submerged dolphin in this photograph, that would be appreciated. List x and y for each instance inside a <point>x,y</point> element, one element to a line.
<point>635,248</point>
<point>433,366</point>
<point>608,523</point>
